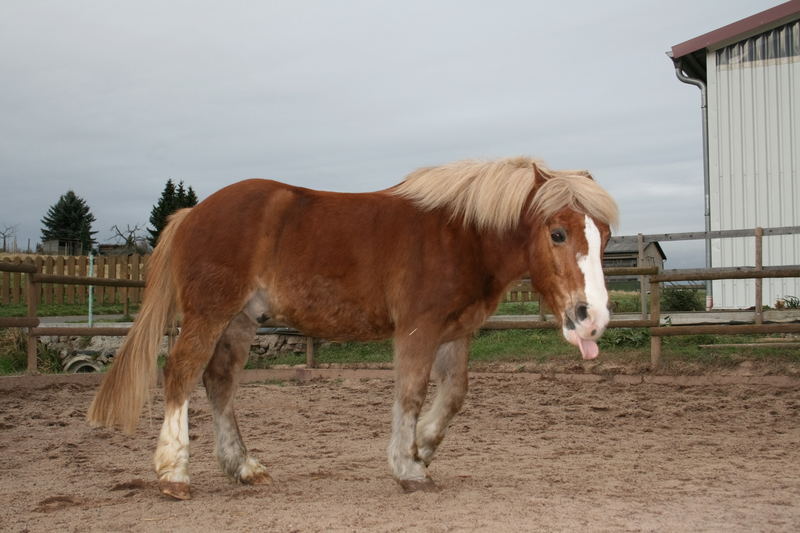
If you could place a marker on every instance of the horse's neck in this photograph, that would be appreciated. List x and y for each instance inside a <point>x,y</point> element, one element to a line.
<point>505,256</point>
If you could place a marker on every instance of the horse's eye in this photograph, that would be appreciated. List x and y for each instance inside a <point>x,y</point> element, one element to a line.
<point>558,235</point>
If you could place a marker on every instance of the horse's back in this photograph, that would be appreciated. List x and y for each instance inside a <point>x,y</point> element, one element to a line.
<point>321,258</point>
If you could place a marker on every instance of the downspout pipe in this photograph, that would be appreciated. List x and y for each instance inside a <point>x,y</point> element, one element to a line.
<point>700,84</point>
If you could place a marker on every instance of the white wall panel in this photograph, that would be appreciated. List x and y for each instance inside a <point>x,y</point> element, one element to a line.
<point>754,149</point>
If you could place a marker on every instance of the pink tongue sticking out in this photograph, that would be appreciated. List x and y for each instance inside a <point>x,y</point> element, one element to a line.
<point>589,349</point>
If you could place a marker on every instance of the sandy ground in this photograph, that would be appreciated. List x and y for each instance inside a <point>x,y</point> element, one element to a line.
<point>524,455</point>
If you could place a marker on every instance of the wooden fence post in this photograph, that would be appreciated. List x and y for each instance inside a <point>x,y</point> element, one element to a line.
<point>310,363</point>
<point>759,281</point>
<point>33,300</point>
<point>541,306</point>
<point>655,316</point>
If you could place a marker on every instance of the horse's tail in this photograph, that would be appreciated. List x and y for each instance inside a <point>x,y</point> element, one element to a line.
<point>127,384</point>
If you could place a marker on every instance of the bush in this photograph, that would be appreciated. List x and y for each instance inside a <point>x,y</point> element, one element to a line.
<point>625,302</point>
<point>791,302</point>
<point>14,354</point>
<point>682,299</point>
<point>625,338</point>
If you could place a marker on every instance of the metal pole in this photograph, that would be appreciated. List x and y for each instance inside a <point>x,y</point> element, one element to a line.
<point>706,172</point>
<point>643,280</point>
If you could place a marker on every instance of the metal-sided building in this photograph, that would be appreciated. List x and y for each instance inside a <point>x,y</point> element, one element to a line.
<point>749,74</point>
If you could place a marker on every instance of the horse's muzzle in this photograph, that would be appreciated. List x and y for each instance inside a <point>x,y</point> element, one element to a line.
<point>583,326</point>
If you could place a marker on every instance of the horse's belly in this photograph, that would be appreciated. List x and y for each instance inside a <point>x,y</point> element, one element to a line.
<point>335,321</point>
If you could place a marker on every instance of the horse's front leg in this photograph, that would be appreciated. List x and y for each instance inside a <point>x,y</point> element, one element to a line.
<point>450,369</point>
<point>414,354</point>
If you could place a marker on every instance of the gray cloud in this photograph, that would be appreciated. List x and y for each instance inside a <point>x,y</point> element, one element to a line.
<point>111,99</point>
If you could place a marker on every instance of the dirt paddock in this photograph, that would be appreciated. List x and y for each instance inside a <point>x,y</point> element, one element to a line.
<point>525,454</point>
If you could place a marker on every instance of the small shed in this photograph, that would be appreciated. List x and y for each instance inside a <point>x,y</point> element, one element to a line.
<point>62,247</point>
<point>625,254</point>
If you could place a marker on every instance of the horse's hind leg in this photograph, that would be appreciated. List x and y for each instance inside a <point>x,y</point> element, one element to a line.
<point>185,363</point>
<point>221,381</point>
<point>450,369</point>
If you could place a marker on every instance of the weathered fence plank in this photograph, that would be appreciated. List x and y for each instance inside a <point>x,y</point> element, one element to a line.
<point>99,272</point>
<point>135,273</point>
<point>47,290</point>
<point>58,293</point>
<point>16,287</point>
<point>70,289</point>
<point>82,291</point>
<point>5,288</point>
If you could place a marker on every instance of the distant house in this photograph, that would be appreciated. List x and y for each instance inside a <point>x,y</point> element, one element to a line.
<point>62,247</point>
<point>626,254</point>
<point>112,249</point>
<point>139,246</point>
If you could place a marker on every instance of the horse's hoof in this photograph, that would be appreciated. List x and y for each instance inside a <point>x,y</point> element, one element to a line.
<point>418,485</point>
<point>259,478</point>
<point>175,489</point>
<point>252,472</point>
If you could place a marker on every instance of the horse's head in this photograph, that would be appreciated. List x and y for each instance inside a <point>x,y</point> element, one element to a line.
<point>565,256</point>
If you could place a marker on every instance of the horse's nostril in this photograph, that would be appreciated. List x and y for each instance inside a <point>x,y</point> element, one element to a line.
<point>581,312</point>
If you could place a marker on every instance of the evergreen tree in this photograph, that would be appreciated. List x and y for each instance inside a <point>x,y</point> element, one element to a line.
<point>160,212</point>
<point>172,198</point>
<point>69,219</point>
<point>191,198</point>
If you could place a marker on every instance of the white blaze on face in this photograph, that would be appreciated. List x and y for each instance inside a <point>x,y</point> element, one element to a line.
<point>594,288</point>
<point>591,265</point>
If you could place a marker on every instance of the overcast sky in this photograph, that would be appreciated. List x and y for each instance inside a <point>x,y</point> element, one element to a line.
<point>111,98</point>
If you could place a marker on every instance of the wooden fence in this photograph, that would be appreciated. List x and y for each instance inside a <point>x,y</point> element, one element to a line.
<point>651,320</point>
<point>14,285</point>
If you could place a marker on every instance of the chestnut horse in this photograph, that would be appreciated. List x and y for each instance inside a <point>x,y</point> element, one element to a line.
<point>424,262</point>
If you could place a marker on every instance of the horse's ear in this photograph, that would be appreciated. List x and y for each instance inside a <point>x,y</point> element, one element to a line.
<point>540,175</point>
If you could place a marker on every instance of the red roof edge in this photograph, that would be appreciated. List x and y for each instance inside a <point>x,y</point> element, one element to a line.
<point>741,27</point>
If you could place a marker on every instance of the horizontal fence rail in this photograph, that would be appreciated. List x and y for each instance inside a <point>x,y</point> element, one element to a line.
<point>701,235</point>
<point>702,274</point>
<point>85,280</point>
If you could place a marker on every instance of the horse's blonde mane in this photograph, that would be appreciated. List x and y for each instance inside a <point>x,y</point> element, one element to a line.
<point>576,191</point>
<point>493,194</point>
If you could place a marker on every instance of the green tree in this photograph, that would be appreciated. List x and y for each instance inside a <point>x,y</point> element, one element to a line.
<point>172,198</point>
<point>69,219</point>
